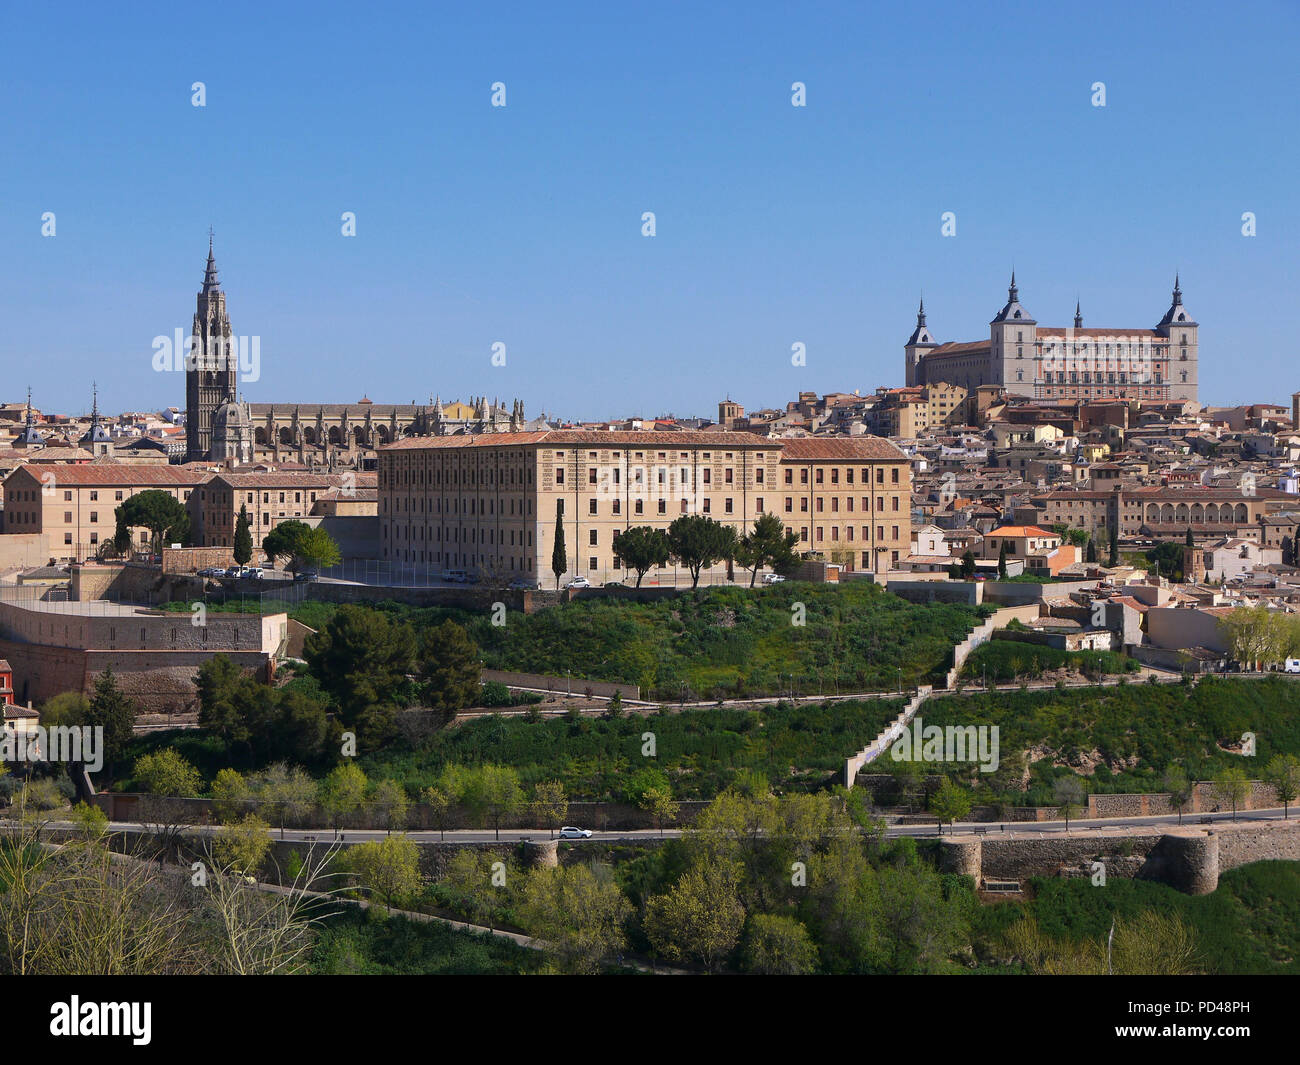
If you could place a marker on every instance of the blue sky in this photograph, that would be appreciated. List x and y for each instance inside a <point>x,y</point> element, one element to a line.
<point>522,224</point>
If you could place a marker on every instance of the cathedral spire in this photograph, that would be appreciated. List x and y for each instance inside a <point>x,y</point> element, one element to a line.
<point>210,282</point>
<point>1013,293</point>
<point>1078,316</point>
<point>920,315</point>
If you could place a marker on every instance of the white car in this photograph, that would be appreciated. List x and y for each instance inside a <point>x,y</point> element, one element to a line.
<point>1292,665</point>
<point>569,832</point>
<point>773,578</point>
<point>579,582</point>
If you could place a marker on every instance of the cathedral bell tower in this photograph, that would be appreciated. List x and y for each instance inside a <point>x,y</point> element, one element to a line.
<point>212,366</point>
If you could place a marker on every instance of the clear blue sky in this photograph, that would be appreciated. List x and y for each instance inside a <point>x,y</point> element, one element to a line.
<point>523,225</point>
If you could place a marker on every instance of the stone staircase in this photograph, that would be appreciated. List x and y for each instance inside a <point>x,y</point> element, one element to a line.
<point>891,732</point>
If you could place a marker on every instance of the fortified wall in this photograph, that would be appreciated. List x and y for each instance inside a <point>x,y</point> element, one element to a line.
<point>1189,859</point>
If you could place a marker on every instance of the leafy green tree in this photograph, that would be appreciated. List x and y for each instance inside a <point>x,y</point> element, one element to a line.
<point>167,772</point>
<point>658,802</point>
<point>1231,785</point>
<point>696,541</point>
<point>579,911</point>
<point>450,668</point>
<point>114,711</point>
<point>243,845</point>
<point>1069,793</point>
<point>66,708</point>
<point>551,804</point>
<point>1090,555</point>
<point>361,658</point>
<point>316,549</point>
<point>230,795</point>
<point>700,918</point>
<point>767,544</point>
<point>776,945</point>
<point>283,540</point>
<point>440,803</point>
<point>388,867</point>
<point>950,803</point>
<point>1283,772</point>
<point>1175,782</point>
<point>390,803</point>
<point>233,705</point>
<point>642,548</point>
<point>559,557</point>
<point>920,929</point>
<point>160,512</point>
<point>1190,541</point>
<point>342,792</point>
<point>91,822</point>
<point>243,537</point>
<point>968,565</point>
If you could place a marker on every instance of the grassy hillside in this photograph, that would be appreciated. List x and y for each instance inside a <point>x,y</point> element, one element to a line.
<point>701,751</point>
<point>1251,924</point>
<point>355,943</point>
<point>820,638</point>
<point>1123,738</point>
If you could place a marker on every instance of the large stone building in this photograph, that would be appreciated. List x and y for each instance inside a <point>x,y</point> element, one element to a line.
<point>1161,512</point>
<point>492,503</point>
<point>1064,362</point>
<point>72,507</point>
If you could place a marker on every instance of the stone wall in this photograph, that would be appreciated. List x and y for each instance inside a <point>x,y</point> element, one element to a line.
<point>193,559</point>
<point>1190,858</point>
<point>576,685</point>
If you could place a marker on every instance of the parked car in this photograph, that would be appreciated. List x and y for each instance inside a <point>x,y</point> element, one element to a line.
<point>1292,665</point>
<point>232,571</point>
<point>569,832</point>
<point>456,576</point>
<point>305,575</point>
<point>773,578</point>
<point>579,582</point>
<point>525,584</point>
<point>613,584</point>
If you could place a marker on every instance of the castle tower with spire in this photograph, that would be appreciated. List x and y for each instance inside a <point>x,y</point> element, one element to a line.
<point>1180,330</point>
<point>212,367</point>
<point>919,344</point>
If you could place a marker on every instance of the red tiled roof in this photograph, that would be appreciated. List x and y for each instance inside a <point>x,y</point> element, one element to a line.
<point>124,474</point>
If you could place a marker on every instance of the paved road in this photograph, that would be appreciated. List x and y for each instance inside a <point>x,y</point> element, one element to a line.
<point>1006,830</point>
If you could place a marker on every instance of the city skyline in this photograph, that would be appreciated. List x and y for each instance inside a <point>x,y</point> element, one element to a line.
<point>521,225</point>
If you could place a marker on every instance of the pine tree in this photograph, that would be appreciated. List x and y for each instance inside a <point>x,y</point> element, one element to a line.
<point>243,537</point>
<point>1002,560</point>
<point>1114,549</point>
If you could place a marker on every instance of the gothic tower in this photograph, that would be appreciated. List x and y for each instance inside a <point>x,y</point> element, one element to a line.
<point>212,367</point>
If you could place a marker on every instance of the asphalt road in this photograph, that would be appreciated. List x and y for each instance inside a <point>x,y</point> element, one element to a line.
<point>1005,830</point>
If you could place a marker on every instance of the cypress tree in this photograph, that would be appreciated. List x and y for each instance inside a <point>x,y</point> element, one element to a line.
<point>243,537</point>
<point>559,557</point>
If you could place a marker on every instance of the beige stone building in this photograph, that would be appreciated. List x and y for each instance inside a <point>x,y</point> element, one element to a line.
<point>273,496</point>
<point>72,506</point>
<point>491,504</point>
<point>909,412</point>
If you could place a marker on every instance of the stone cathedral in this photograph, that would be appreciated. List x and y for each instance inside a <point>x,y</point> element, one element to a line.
<point>220,426</point>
